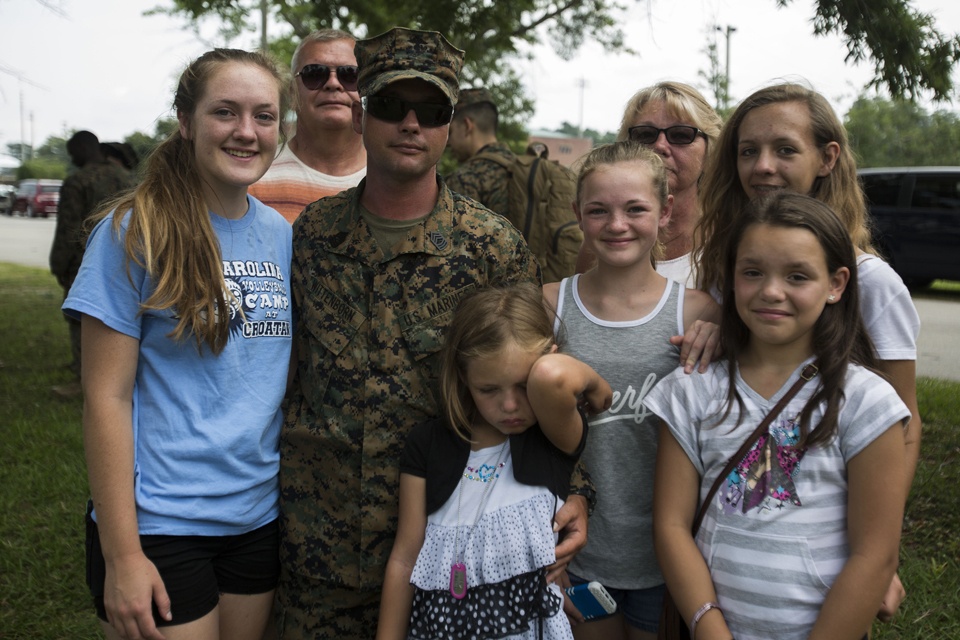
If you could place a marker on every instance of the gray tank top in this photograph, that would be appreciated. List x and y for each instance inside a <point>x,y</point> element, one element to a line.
<point>622,442</point>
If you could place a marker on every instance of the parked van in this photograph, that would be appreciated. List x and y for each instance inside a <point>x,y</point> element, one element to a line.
<point>916,218</point>
<point>37,198</point>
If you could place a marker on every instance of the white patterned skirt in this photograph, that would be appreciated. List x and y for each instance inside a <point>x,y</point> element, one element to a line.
<point>507,593</point>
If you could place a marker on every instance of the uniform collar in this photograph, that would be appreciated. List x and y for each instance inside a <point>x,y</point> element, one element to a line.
<point>431,236</point>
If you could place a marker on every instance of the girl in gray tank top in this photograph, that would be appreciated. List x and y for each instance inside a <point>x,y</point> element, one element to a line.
<point>618,317</point>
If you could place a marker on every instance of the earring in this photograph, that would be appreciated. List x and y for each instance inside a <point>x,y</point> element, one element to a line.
<point>831,298</point>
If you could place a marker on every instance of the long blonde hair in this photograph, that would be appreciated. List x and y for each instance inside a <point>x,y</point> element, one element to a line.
<point>169,232</point>
<point>722,196</point>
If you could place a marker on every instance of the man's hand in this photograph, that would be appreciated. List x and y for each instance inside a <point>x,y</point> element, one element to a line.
<point>571,522</point>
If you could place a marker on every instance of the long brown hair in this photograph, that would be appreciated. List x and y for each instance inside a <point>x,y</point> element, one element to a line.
<point>484,323</point>
<point>839,336</point>
<point>721,194</point>
<point>169,232</point>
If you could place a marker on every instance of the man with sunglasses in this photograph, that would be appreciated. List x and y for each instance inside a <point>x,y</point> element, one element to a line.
<point>325,155</point>
<point>377,272</point>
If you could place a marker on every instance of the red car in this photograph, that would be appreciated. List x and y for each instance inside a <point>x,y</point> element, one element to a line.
<point>37,198</point>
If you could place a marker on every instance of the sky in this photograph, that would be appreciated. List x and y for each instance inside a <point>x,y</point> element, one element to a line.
<point>102,65</point>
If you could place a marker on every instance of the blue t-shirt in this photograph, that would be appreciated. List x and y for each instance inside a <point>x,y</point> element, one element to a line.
<point>206,427</point>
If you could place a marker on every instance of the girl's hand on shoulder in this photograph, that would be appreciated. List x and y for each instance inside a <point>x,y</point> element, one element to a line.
<point>701,342</point>
<point>701,338</point>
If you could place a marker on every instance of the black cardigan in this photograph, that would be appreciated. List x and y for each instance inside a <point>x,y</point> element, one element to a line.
<point>435,452</point>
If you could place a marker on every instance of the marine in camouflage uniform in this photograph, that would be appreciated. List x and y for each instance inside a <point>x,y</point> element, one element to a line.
<point>95,181</point>
<point>482,179</point>
<point>80,195</point>
<point>371,318</point>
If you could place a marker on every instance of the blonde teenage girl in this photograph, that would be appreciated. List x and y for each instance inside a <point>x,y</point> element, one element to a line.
<point>619,318</point>
<point>479,487</point>
<point>801,538</point>
<point>185,311</point>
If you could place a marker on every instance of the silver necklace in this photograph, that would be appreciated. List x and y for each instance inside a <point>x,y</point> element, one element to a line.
<point>458,570</point>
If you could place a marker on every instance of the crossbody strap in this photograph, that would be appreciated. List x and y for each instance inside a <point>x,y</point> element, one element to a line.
<point>808,373</point>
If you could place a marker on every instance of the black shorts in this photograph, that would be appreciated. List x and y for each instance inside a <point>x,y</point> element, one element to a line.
<point>196,569</point>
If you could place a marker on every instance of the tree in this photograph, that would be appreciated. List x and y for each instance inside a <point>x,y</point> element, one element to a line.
<point>598,138</point>
<point>143,144</point>
<point>19,150</point>
<point>490,33</point>
<point>899,133</point>
<point>42,168</point>
<point>53,149</point>
<point>714,77</point>
<point>910,55</point>
<point>49,160</point>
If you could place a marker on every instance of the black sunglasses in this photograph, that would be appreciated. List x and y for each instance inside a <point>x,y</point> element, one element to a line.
<point>429,114</point>
<point>678,134</point>
<point>315,76</point>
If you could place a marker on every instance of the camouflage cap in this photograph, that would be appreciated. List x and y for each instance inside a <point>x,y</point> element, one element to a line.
<point>401,54</point>
<point>474,96</point>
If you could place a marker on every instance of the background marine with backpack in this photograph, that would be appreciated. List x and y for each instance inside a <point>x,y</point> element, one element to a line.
<point>534,193</point>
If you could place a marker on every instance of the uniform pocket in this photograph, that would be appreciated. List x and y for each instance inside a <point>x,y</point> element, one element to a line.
<point>332,325</point>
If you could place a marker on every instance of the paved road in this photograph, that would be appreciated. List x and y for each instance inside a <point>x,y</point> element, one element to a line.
<point>938,349</point>
<point>27,241</point>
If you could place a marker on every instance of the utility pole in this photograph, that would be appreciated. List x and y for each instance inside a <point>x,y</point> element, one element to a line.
<point>726,70</point>
<point>21,79</point>
<point>263,26</point>
<point>582,83</point>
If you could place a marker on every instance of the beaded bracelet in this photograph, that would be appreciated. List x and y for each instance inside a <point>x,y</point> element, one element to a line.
<point>699,614</point>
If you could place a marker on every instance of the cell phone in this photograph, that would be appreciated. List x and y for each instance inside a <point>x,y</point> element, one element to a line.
<point>591,600</point>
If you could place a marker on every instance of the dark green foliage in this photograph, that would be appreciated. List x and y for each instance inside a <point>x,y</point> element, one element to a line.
<point>42,168</point>
<point>899,133</point>
<point>910,56</point>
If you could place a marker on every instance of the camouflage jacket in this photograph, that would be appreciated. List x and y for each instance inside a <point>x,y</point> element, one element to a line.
<point>81,194</point>
<point>369,328</point>
<point>484,180</point>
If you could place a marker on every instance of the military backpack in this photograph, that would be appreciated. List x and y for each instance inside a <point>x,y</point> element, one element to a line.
<point>540,202</point>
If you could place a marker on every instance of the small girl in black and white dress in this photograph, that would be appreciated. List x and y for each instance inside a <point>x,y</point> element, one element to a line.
<point>479,488</point>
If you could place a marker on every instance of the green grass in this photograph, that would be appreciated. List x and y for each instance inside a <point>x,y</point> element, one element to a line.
<point>945,285</point>
<point>930,555</point>
<point>43,485</point>
<point>43,482</point>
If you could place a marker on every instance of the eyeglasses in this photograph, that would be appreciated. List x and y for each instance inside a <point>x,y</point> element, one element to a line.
<point>315,76</point>
<point>429,114</point>
<point>678,134</point>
